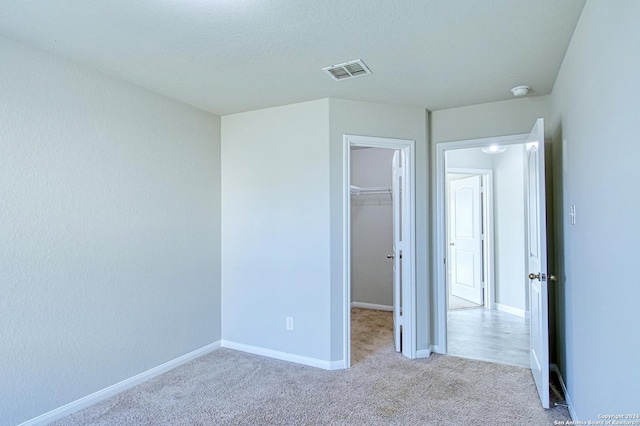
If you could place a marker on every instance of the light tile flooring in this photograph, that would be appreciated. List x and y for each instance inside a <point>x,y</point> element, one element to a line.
<point>488,335</point>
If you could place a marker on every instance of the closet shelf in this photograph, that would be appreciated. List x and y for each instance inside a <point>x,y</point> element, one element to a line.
<point>358,190</point>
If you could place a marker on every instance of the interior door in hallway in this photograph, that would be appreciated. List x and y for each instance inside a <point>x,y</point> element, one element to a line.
<point>465,239</point>
<point>537,261</point>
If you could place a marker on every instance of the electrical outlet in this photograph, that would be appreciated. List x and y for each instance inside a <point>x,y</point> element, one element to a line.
<point>572,213</point>
<point>289,323</point>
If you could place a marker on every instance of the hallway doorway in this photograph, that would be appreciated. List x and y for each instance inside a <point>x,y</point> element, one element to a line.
<point>486,298</point>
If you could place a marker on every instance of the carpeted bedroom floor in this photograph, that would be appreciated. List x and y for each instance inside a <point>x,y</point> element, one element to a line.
<point>228,387</point>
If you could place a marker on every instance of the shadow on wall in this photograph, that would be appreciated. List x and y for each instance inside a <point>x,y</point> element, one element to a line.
<point>555,237</point>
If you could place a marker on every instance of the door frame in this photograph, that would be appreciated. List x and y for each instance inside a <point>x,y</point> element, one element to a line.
<point>408,287</point>
<point>487,218</point>
<point>440,255</point>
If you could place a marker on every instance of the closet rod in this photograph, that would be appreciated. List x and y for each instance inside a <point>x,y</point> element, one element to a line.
<point>358,190</point>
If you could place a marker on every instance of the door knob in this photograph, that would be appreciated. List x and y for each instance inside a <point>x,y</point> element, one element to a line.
<point>390,256</point>
<point>534,277</point>
<point>552,277</point>
<point>451,244</point>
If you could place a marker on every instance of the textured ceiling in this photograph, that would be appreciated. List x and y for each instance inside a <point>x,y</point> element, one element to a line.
<point>228,56</point>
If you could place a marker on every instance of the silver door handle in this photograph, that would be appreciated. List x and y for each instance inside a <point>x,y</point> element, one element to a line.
<point>390,256</point>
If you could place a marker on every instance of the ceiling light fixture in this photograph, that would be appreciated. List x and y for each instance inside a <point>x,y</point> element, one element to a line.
<point>493,149</point>
<point>520,91</point>
<point>347,70</point>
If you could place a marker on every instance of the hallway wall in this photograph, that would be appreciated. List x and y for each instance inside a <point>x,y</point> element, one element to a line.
<point>596,100</point>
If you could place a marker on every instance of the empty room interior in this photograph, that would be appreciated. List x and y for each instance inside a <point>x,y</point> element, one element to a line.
<point>250,212</point>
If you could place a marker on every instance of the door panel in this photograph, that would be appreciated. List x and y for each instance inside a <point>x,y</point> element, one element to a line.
<point>465,234</point>
<point>537,261</point>
<point>397,228</point>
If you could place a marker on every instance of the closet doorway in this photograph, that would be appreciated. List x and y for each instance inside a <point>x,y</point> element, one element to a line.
<point>379,223</point>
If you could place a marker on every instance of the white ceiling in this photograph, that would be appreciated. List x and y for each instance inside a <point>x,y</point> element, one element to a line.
<point>228,56</point>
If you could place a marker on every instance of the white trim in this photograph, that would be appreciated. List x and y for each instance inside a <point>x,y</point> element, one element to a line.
<point>337,365</point>
<point>107,392</point>
<point>423,353</point>
<point>284,356</point>
<point>436,349</point>
<point>567,399</point>
<point>409,325</point>
<point>440,230</point>
<point>511,310</point>
<point>346,251</point>
<point>371,306</point>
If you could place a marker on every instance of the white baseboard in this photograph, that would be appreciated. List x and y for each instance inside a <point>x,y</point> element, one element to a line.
<point>284,356</point>
<point>436,349</point>
<point>567,398</point>
<point>105,393</point>
<point>371,306</point>
<point>423,353</point>
<point>510,310</point>
<point>337,365</point>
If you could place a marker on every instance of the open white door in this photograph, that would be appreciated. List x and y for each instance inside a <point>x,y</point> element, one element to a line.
<point>537,259</point>
<point>465,239</point>
<point>401,255</point>
<point>396,255</point>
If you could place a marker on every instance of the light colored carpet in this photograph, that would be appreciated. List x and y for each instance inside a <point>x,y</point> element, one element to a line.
<point>382,388</point>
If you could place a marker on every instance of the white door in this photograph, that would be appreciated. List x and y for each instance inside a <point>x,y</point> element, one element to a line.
<point>401,254</point>
<point>537,259</point>
<point>397,248</point>
<point>465,239</point>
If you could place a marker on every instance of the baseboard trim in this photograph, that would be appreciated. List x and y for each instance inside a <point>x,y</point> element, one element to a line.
<point>371,306</point>
<point>337,365</point>
<point>107,392</point>
<point>567,398</point>
<point>284,356</point>
<point>510,310</point>
<point>423,353</point>
<point>436,349</point>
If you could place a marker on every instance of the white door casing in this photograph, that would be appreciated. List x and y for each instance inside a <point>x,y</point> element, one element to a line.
<point>465,239</point>
<point>537,261</point>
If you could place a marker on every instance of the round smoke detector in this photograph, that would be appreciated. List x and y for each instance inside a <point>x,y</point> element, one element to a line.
<point>520,91</point>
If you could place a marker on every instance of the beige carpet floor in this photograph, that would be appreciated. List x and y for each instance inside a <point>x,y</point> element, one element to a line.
<point>228,387</point>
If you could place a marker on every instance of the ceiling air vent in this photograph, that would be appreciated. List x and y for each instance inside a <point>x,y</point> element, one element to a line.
<point>347,70</point>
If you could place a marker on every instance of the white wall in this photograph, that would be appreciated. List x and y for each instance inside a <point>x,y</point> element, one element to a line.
<point>282,195</point>
<point>488,120</point>
<point>596,99</point>
<point>275,221</point>
<point>509,219</point>
<point>391,121</point>
<point>110,231</point>
<point>371,228</point>
<point>472,158</point>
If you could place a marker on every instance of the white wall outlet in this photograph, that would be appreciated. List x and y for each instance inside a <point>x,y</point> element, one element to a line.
<point>289,323</point>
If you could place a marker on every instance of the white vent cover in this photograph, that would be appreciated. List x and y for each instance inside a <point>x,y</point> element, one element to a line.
<point>347,70</point>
